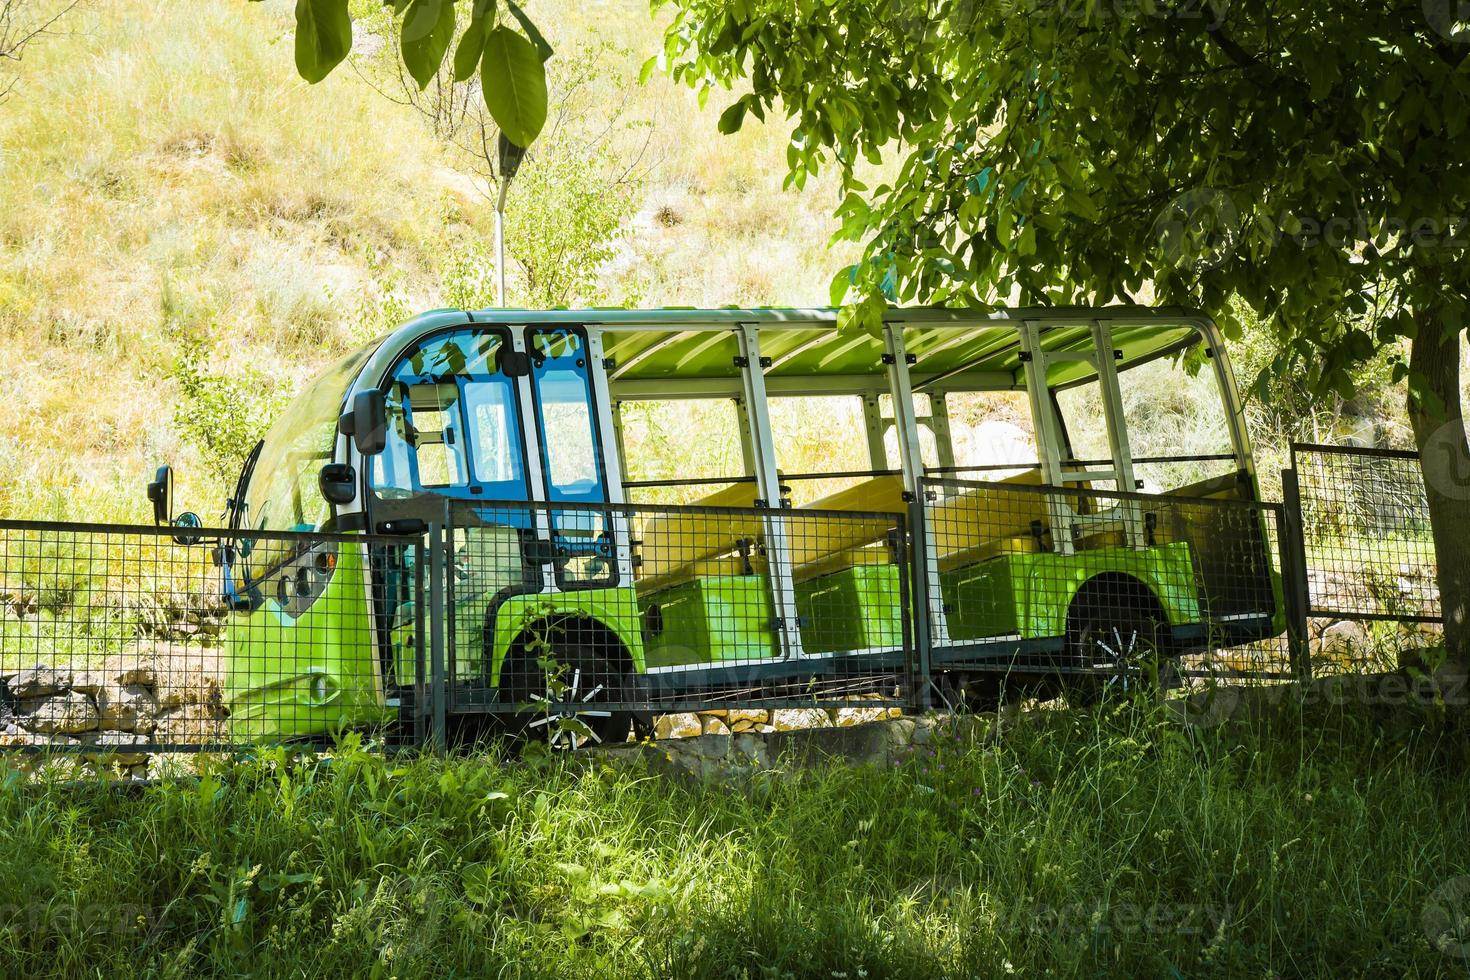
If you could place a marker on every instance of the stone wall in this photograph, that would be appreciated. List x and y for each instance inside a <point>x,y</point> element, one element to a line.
<point>116,707</point>
<point>724,757</point>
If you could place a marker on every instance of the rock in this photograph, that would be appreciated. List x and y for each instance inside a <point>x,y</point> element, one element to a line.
<point>129,708</point>
<point>62,714</point>
<point>39,682</point>
<point>746,719</point>
<point>751,750</point>
<point>792,719</point>
<point>681,725</point>
<point>89,682</point>
<point>128,669</point>
<point>848,717</point>
<point>713,726</point>
<point>192,723</point>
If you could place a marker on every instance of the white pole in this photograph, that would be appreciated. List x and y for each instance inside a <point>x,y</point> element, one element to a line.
<point>500,244</point>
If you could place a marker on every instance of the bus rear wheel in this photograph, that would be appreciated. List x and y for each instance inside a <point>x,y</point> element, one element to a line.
<point>1114,654</point>
<point>570,704</point>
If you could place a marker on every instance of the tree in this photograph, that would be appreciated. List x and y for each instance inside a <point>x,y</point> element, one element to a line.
<point>573,190</point>
<point>21,22</point>
<point>510,63</point>
<point>1307,159</point>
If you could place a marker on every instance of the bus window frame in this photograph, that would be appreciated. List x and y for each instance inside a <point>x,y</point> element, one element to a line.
<point>472,489</point>
<point>595,407</point>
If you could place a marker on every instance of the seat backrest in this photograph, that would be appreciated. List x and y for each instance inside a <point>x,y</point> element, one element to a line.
<point>673,540</point>
<point>977,517</point>
<point>812,540</point>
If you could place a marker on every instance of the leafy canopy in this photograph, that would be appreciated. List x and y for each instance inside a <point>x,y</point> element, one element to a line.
<point>511,64</point>
<point>1306,158</point>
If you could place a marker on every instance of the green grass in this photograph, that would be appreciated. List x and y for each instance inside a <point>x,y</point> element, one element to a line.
<point>1080,845</point>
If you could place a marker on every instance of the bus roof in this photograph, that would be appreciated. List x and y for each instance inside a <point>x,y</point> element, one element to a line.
<point>959,348</point>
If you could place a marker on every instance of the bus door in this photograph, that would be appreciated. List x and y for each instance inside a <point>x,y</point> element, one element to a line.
<point>455,451</point>
<point>573,463</point>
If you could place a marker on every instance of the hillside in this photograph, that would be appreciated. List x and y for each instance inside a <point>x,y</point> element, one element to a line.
<point>168,184</point>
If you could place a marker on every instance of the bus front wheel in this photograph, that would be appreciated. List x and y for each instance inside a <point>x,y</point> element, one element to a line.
<point>566,695</point>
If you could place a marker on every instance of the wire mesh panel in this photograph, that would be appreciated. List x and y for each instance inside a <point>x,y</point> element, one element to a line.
<point>121,641</point>
<point>625,610</point>
<point>1037,580</point>
<point>1366,529</point>
<point>1370,575</point>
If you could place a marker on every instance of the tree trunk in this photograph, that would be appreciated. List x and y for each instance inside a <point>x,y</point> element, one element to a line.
<point>1437,417</point>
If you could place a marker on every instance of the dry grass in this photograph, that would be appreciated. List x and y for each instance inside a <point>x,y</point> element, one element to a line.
<point>163,172</point>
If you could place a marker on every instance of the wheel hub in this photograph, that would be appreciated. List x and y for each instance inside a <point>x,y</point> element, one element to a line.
<point>562,712</point>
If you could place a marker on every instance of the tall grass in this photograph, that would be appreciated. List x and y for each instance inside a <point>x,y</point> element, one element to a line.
<point>1078,845</point>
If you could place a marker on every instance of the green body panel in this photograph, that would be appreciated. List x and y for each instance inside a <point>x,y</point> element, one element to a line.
<point>1029,594</point>
<point>615,608</point>
<point>713,619</point>
<point>312,675</point>
<point>857,608</point>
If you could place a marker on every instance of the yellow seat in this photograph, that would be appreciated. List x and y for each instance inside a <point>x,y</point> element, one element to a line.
<point>983,524</point>
<point>841,560</point>
<point>821,546</point>
<point>673,547</point>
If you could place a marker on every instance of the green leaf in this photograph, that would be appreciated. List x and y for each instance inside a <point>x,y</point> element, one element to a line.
<point>513,82</point>
<point>428,27</point>
<point>732,118</point>
<point>863,317</point>
<point>529,26</point>
<point>472,44</point>
<point>323,37</point>
<point>646,72</point>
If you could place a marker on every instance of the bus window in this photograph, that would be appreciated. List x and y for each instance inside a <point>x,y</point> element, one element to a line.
<point>453,425</point>
<point>571,455</point>
<point>1177,425</point>
<point>696,439</point>
<point>992,434</point>
<point>438,450</point>
<point>1085,422</point>
<point>1178,433</point>
<point>495,429</point>
<point>568,432</point>
<point>817,434</point>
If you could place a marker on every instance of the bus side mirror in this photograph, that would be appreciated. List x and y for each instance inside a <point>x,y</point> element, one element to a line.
<point>161,495</point>
<point>338,482</point>
<point>366,422</point>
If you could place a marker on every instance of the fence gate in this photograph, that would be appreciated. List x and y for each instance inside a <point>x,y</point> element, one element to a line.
<point>1366,567</point>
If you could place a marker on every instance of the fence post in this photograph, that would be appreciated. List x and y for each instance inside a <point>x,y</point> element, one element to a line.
<point>919,576</point>
<point>1294,582</point>
<point>437,624</point>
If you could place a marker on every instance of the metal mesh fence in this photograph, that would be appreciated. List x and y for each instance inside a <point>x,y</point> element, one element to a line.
<point>1035,580</point>
<point>1368,555</point>
<point>585,621</point>
<point>612,613</point>
<point>119,641</point>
